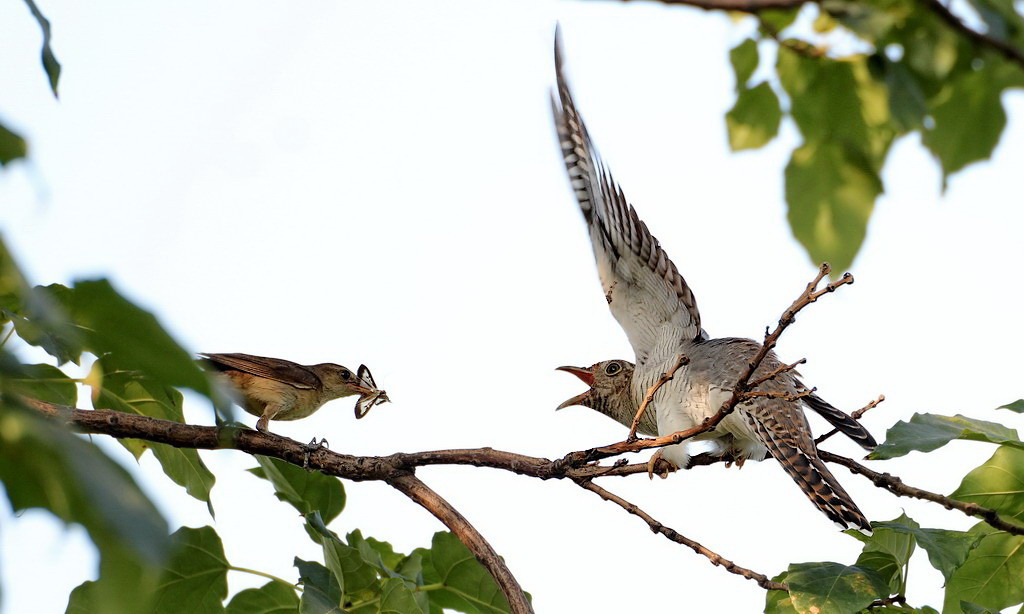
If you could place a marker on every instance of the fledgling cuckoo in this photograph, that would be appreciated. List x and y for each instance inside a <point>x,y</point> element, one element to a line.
<point>659,315</point>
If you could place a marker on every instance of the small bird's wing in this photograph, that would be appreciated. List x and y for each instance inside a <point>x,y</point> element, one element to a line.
<point>842,421</point>
<point>277,369</point>
<point>783,428</point>
<point>645,291</point>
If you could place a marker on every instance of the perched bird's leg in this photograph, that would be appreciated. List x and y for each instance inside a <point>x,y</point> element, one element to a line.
<point>311,447</point>
<point>271,410</point>
<point>652,465</point>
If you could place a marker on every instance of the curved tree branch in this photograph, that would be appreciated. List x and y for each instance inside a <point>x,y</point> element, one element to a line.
<point>987,41</point>
<point>396,470</point>
<point>896,486</point>
<point>411,486</point>
<point>716,559</point>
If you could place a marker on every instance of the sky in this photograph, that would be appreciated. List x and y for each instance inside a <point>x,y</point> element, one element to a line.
<point>379,183</point>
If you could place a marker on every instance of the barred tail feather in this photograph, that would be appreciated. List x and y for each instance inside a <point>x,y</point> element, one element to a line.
<point>817,482</point>
<point>842,421</point>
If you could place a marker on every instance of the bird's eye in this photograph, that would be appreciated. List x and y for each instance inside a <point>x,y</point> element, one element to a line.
<point>613,368</point>
<point>345,374</point>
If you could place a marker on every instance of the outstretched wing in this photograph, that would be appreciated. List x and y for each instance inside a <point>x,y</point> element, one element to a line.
<point>284,371</point>
<point>783,429</point>
<point>645,291</point>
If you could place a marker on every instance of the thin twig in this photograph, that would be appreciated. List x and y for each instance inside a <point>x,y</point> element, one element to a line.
<point>855,415</point>
<point>412,487</point>
<point>896,486</point>
<point>777,372</point>
<point>664,379</point>
<point>716,559</point>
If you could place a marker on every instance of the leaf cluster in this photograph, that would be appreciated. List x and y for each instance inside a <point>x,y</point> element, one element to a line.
<point>983,568</point>
<point>138,368</point>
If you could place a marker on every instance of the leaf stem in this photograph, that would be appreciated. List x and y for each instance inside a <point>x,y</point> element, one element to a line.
<point>265,575</point>
<point>7,336</point>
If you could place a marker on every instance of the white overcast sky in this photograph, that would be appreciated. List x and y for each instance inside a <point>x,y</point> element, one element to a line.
<point>378,182</point>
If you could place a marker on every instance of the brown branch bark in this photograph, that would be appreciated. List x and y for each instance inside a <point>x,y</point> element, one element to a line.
<point>896,486</point>
<point>411,486</point>
<point>743,6</point>
<point>1004,48</point>
<point>716,559</point>
<point>396,470</point>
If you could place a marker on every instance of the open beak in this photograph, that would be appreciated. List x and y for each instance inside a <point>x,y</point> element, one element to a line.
<point>588,378</point>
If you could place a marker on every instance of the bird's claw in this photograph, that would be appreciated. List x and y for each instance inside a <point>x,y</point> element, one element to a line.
<point>311,447</point>
<point>653,469</point>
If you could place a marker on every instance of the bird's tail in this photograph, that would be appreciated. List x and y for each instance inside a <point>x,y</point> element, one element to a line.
<point>842,421</point>
<point>817,482</point>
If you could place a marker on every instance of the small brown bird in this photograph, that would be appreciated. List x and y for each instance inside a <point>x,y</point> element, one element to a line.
<point>276,389</point>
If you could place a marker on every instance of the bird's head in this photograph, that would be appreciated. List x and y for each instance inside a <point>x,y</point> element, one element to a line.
<point>609,385</point>
<point>339,381</point>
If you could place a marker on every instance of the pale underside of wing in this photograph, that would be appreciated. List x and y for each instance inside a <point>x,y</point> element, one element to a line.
<point>644,290</point>
<point>277,369</point>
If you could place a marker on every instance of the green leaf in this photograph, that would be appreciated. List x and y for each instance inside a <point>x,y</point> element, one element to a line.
<point>377,554</point>
<point>321,593</point>
<point>134,337</point>
<point>927,432</point>
<point>779,602</point>
<point>42,465</point>
<point>997,484</point>
<point>358,581</point>
<point>884,565</point>
<point>972,608</point>
<point>83,599</point>
<point>396,598</point>
<point>744,60</point>
<point>837,101</point>
<point>947,550</point>
<point>1017,406</point>
<point>43,383</point>
<point>467,585</point>
<point>895,539</point>
<point>40,314</point>
<point>306,491</point>
<point>50,63</point>
<point>907,103</point>
<point>991,576</point>
<point>968,120</point>
<point>12,146</point>
<point>195,580</point>
<point>831,588</point>
<point>777,20</point>
<point>754,119</point>
<point>271,598</point>
<point>831,192</point>
<point>134,393</point>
